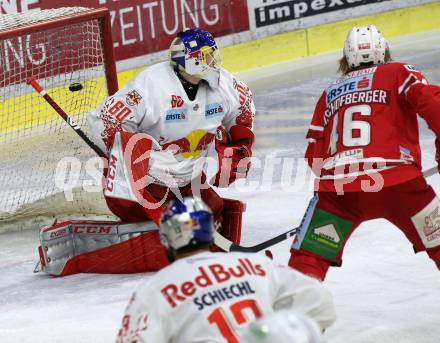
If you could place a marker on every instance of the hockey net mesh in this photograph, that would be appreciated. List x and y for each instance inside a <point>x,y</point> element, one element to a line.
<point>42,159</point>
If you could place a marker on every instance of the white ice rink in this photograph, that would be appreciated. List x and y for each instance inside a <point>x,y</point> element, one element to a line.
<point>383,292</point>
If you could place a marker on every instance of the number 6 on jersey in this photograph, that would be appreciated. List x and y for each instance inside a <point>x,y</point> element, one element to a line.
<point>354,132</point>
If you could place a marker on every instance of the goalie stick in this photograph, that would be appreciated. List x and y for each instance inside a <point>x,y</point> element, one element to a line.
<point>69,120</point>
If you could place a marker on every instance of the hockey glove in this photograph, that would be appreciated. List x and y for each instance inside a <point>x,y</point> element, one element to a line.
<point>234,153</point>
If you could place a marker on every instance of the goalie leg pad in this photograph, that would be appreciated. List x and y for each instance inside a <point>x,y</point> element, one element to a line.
<point>143,253</point>
<point>100,247</point>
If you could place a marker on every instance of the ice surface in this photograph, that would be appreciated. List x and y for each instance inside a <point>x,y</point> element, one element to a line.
<point>383,292</point>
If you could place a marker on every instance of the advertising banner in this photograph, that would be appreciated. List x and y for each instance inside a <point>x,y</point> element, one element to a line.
<point>142,27</point>
<point>275,12</point>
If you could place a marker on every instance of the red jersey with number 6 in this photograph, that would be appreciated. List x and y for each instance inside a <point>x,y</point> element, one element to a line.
<point>364,131</point>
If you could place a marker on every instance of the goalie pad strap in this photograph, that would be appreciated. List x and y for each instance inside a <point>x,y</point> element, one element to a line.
<point>100,247</point>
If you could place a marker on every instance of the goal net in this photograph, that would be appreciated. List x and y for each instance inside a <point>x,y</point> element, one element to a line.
<point>46,171</point>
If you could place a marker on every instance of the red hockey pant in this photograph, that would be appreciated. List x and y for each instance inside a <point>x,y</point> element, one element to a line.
<point>399,204</point>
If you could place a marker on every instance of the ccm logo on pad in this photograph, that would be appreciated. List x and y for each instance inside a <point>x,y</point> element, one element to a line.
<point>92,229</point>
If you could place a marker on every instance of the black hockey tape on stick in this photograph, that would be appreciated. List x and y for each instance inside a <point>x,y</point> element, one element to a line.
<point>72,123</point>
<point>227,245</point>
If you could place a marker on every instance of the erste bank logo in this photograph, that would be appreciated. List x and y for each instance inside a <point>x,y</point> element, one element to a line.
<point>214,110</point>
<point>349,85</point>
<point>176,115</point>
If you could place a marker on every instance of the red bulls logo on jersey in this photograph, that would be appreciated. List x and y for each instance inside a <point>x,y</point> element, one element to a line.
<point>133,98</point>
<point>176,101</point>
<point>192,145</point>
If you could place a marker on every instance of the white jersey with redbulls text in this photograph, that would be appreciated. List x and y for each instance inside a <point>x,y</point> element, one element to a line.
<point>155,103</point>
<point>211,297</point>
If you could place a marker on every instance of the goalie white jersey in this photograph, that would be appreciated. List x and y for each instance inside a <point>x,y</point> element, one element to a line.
<point>156,103</point>
<point>211,297</point>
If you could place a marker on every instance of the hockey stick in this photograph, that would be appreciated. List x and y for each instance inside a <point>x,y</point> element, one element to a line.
<point>227,245</point>
<point>69,120</point>
<point>431,171</point>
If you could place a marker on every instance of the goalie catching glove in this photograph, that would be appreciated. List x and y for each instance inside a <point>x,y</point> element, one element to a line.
<point>234,152</point>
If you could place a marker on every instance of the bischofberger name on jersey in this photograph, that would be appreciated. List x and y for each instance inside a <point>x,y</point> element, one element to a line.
<point>212,275</point>
<point>377,96</point>
<point>214,110</point>
<point>176,115</point>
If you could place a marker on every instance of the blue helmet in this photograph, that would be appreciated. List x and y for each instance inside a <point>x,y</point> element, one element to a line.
<point>195,52</point>
<point>185,223</point>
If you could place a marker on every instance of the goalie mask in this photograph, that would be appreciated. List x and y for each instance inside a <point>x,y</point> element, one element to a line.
<point>186,224</point>
<point>195,52</point>
<point>365,45</point>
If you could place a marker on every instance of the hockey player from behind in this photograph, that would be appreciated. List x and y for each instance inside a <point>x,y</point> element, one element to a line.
<point>157,130</point>
<point>364,149</point>
<point>211,297</point>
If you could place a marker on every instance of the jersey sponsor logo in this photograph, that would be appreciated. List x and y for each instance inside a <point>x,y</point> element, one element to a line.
<point>216,296</point>
<point>427,223</point>
<point>173,116</point>
<point>432,225</point>
<point>176,101</point>
<point>191,146</point>
<point>327,234</point>
<point>213,110</point>
<point>356,73</point>
<point>210,275</point>
<point>410,67</point>
<point>343,158</point>
<point>133,98</point>
<point>405,154</point>
<point>350,85</point>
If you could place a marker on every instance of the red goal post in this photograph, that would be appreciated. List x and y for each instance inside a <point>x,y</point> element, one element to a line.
<point>70,51</point>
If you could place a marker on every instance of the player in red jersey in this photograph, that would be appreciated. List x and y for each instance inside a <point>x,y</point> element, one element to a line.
<point>364,150</point>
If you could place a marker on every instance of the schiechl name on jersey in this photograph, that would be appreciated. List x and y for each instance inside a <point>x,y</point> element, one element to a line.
<point>216,296</point>
<point>210,276</point>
